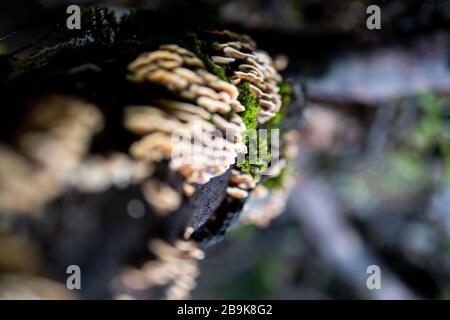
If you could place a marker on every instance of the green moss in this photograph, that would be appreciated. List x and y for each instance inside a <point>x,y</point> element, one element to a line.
<point>2,49</point>
<point>203,50</point>
<point>216,45</point>
<point>252,107</point>
<point>249,116</point>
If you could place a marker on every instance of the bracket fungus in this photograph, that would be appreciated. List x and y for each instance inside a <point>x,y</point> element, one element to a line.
<point>202,98</point>
<point>256,67</point>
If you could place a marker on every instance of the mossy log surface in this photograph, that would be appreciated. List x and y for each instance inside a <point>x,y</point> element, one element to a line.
<point>91,230</point>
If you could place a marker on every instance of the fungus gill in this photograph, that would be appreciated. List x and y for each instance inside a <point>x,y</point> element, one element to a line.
<point>204,104</point>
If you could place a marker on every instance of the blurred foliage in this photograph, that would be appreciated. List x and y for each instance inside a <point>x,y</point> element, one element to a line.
<point>387,197</point>
<point>427,142</point>
<point>275,182</point>
<point>244,231</point>
<point>431,133</point>
<point>259,282</point>
<point>417,158</point>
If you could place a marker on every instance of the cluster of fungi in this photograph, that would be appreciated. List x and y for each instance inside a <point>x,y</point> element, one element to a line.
<point>51,157</point>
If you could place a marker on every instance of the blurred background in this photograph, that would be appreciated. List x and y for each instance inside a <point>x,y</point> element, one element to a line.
<point>374,161</point>
<point>374,194</point>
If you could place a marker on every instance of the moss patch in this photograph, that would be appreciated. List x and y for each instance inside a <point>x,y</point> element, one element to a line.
<point>249,116</point>
<point>203,50</point>
<point>252,107</point>
<point>216,45</point>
